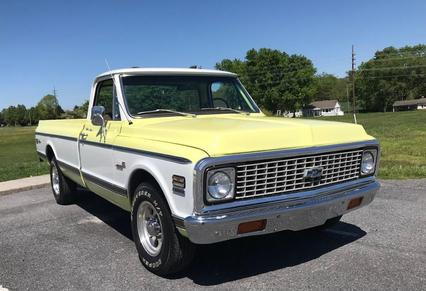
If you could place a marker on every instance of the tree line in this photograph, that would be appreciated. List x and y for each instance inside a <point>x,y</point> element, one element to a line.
<point>47,108</point>
<point>281,81</point>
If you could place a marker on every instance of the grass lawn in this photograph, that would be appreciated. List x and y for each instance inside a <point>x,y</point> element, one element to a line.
<point>18,157</point>
<point>402,136</point>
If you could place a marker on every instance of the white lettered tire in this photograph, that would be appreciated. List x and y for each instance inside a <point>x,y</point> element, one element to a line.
<point>162,250</point>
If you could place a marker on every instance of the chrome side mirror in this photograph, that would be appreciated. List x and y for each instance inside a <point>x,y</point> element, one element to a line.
<point>98,115</point>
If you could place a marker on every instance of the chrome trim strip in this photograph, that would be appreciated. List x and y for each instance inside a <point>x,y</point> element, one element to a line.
<point>95,180</point>
<point>104,184</point>
<point>57,136</point>
<point>211,162</point>
<point>170,158</point>
<point>68,167</point>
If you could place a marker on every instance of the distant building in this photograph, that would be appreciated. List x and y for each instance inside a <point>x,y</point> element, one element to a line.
<point>323,108</point>
<point>407,105</point>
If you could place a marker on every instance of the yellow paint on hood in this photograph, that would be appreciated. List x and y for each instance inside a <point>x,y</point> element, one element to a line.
<point>225,134</point>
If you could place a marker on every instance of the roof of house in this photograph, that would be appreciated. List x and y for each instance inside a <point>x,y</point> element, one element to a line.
<point>421,101</point>
<point>169,71</point>
<point>323,104</point>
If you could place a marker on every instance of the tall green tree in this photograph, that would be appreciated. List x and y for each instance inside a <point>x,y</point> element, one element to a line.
<point>275,79</point>
<point>11,116</point>
<point>328,86</point>
<point>48,107</point>
<point>392,74</point>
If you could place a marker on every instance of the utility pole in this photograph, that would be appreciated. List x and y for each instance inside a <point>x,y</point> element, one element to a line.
<point>347,97</point>
<point>353,84</point>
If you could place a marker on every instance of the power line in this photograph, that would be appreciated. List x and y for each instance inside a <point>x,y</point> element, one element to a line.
<point>392,68</point>
<point>393,76</point>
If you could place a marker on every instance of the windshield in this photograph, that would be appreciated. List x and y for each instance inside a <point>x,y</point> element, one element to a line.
<point>166,95</point>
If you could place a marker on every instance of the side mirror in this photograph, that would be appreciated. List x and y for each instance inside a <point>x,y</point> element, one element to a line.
<point>98,115</point>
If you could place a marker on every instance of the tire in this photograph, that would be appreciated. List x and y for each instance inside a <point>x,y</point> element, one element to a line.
<point>329,223</point>
<point>162,250</point>
<point>63,188</point>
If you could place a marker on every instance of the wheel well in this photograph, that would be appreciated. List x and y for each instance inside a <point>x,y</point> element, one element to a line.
<point>49,153</point>
<point>138,177</point>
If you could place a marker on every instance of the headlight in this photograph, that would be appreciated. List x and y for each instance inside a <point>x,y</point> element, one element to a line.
<point>368,162</point>
<point>220,184</point>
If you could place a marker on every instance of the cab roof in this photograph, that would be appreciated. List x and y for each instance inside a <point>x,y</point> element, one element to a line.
<point>167,72</point>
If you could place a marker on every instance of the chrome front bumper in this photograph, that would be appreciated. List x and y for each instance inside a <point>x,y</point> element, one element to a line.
<point>283,213</point>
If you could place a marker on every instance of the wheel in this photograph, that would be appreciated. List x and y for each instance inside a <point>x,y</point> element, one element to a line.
<point>162,250</point>
<point>63,188</point>
<point>329,223</point>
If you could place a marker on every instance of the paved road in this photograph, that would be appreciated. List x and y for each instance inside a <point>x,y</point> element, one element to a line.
<point>89,246</point>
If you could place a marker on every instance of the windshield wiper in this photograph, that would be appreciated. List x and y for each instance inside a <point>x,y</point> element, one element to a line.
<point>226,109</point>
<point>166,110</point>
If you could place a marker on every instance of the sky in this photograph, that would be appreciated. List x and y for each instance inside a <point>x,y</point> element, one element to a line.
<point>64,44</point>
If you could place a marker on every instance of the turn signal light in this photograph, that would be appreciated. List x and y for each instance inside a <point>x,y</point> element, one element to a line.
<point>355,202</point>
<point>251,226</point>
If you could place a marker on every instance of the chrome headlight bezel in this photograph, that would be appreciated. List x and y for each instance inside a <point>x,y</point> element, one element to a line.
<point>230,173</point>
<point>372,152</point>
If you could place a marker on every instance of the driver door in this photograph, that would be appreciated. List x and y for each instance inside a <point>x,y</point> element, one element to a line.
<point>96,151</point>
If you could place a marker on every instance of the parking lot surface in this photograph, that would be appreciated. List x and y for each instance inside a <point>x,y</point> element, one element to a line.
<point>88,246</point>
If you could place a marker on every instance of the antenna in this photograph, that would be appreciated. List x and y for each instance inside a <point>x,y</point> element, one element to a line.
<point>119,104</point>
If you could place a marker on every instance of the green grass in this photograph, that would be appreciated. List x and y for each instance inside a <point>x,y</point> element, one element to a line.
<point>402,137</point>
<point>18,157</point>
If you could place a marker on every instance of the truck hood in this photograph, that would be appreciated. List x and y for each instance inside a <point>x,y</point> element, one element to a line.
<point>226,134</point>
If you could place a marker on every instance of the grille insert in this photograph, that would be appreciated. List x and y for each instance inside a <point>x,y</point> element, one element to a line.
<point>272,177</point>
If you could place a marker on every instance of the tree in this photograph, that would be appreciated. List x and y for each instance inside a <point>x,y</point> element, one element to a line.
<point>328,86</point>
<point>33,116</point>
<point>1,117</point>
<point>275,79</point>
<point>48,107</point>
<point>392,74</point>
<point>10,116</point>
<point>81,111</point>
<point>21,114</point>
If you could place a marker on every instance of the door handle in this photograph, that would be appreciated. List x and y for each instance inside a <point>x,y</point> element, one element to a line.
<point>83,135</point>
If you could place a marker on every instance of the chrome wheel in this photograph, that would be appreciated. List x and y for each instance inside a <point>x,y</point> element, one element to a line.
<point>55,179</point>
<point>149,228</point>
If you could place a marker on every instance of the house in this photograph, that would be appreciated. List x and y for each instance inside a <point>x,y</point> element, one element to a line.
<point>406,105</point>
<point>323,108</point>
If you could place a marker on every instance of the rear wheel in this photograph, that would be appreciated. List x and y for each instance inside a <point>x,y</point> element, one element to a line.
<point>161,248</point>
<point>63,188</point>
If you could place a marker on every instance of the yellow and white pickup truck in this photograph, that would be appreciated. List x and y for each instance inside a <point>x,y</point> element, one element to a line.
<point>194,160</point>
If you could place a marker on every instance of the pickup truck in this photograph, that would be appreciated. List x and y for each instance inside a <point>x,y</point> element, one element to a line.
<point>194,160</point>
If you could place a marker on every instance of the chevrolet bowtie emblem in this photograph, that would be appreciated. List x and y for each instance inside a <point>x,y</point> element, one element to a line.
<point>312,173</point>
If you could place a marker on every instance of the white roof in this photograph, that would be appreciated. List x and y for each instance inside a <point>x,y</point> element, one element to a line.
<point>169,71</point>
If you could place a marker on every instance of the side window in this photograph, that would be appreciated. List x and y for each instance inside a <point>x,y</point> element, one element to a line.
<point>225,94</point>
<point>106,97</point>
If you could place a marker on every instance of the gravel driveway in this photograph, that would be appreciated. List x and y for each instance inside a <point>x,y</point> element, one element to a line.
<point>89,246</point>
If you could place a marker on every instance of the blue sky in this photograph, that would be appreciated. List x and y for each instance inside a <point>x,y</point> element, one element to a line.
<point>64,43</point>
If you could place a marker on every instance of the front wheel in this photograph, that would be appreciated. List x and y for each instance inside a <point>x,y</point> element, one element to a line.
<point>161,248</point>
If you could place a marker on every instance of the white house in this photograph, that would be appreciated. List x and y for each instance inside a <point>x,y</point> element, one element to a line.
<point>323,108</point>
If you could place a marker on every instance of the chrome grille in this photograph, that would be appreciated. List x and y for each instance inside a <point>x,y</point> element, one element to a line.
<point>254,179</point>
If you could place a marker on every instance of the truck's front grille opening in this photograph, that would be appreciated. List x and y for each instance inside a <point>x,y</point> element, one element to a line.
<point>293,174</point>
